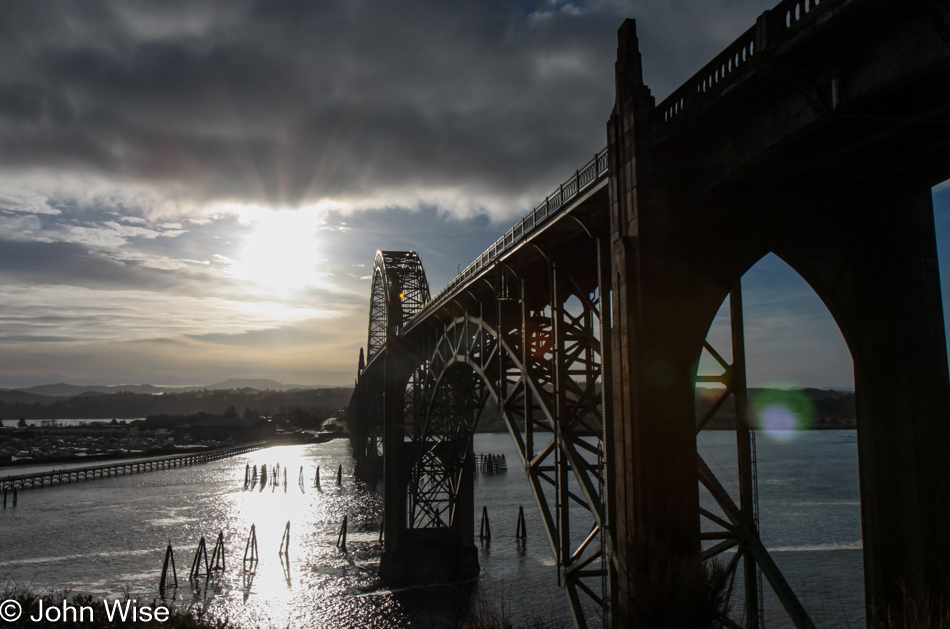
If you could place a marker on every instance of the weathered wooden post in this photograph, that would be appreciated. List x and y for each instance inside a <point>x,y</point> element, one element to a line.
<point>484,532</point>
<point>169,560</point>
<point>341,538</point>
<point>250,550</point>
<point>201,553</point>
<point>217,556</point>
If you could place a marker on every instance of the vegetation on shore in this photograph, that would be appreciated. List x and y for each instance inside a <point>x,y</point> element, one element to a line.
<point>126,405</point>
<point>814,409</point>
<point>922,612</point>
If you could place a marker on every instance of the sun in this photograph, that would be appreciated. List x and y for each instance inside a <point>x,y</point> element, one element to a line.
<point>281,252</point>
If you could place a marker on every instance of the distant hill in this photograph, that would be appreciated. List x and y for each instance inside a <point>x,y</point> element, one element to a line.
<point>68,390</point>
<point>50,392</point>
<point>14,397</point>
<point>261,384</point>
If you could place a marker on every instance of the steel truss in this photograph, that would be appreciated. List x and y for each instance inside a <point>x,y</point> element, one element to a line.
<point>400,292</point>
<point>537,353</point>
<point>739,529</point>
<point>541,363</point>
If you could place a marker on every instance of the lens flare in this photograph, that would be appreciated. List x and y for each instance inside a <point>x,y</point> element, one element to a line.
<point>782,413</point>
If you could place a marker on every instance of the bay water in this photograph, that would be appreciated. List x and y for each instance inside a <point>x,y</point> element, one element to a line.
<point>108,537</point>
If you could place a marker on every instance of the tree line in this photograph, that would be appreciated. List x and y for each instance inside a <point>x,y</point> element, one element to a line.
<point>125,405</point>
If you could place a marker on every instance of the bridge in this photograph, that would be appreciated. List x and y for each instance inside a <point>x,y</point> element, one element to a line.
<point>817,136</point>
<point>36,480</point>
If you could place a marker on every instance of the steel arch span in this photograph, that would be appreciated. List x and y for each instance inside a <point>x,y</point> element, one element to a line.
<point>535,353</point>
<point>556,426</point>
<point>400,291</point>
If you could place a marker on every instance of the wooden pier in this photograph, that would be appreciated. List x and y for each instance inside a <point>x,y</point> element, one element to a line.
<point>121,468</point>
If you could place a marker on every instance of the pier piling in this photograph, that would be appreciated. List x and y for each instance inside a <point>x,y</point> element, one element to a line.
<point>169,560</point>
<point>285,542</point>
<point>200,554</point>
<point>521,531</point>
<point>484,532</point>
<point>250,550</point>
<point>341,538</point>
<point>217,555</point>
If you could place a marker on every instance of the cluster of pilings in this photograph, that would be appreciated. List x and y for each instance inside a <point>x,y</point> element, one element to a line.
<point>204,567</point>
<point>273,478</point>
<point>201,565</point>
<point>490,463</point>
<point>521,530</point>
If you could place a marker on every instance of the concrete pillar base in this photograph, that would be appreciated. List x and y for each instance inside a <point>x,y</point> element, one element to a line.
<point>429,561</point>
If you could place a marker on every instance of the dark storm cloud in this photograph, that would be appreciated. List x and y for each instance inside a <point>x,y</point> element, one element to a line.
<point>281,102</point>
<point>178,179</point>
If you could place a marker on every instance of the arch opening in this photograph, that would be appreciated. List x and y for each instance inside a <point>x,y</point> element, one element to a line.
<point>800,456</point>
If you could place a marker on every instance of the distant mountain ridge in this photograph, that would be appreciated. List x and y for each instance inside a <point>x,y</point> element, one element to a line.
<point>129,405</point>
<point>261,384</point>
<point>63,390</point>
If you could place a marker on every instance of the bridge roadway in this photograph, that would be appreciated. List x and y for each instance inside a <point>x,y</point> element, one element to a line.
<point>38,479</point>
<point>816,136</point>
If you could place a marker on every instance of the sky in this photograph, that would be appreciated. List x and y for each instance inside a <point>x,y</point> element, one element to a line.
<point>195,191</point>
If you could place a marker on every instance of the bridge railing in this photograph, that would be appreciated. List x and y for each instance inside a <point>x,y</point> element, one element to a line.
<point>774,26</point>
<point>582,179</point>
<point>770,29</point>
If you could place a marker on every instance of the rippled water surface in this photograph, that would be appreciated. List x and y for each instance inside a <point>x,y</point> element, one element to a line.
<point>108,536</point>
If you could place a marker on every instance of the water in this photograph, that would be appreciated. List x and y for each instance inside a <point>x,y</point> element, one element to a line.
<point>108,536</point>
<point>810,517</point>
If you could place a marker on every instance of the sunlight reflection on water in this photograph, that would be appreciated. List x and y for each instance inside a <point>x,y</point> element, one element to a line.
<point>108,536</point>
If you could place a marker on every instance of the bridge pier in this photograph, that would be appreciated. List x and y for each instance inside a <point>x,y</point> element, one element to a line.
<point>875,265</point>
<point>867,248</point>
<point>414,553</point>
<point>655,344</point>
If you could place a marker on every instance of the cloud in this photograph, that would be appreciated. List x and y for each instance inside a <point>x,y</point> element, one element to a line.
<point>24,202</point>
<point>37,315</point>
<point>189,185</point>
<point>475,108</point>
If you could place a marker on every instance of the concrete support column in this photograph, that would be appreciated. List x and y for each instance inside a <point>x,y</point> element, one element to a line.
<point>395,477</point>
<point>903,403</point>
<point>464,521</point>
<point>654,344</point>
<point>875,265</point>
